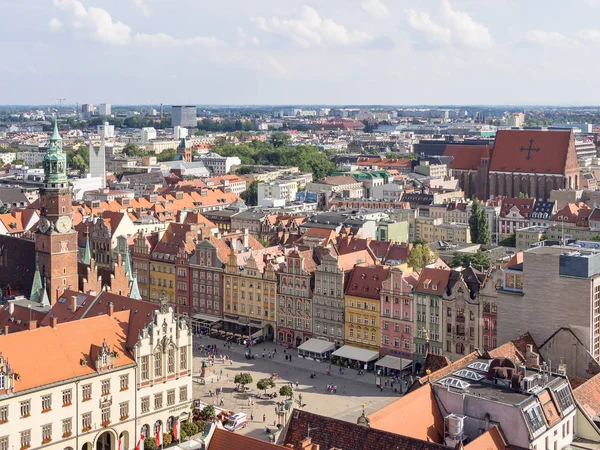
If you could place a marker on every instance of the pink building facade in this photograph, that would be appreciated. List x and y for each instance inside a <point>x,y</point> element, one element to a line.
<point>397,325</point>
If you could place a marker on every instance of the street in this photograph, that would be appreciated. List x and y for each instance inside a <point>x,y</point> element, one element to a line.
<point>352,389</point>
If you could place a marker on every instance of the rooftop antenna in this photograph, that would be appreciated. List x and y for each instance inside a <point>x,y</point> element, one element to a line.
<point>60,100</point>
<point>311,429</point>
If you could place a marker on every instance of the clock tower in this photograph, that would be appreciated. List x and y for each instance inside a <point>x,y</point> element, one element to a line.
<point>56,239</point>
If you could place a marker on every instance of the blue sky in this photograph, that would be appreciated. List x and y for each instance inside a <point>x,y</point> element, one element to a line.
<point>300,52</point>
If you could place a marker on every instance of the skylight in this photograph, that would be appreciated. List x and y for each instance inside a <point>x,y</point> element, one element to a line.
<point>455,382</point>
<point>564,399</point>
<point>481,366</point>
<point>465,373</point>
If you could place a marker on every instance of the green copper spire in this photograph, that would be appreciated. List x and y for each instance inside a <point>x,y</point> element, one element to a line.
<point>134,293</point>
<point>36,288</point>
<point>44,300</point>
<point>128,270</point>
<point>87,254</point>
<point>55,162</point>
<point>55,134</point>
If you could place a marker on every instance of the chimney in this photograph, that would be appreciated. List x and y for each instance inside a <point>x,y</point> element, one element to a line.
<point>306,444</point>
<point>5,329</point>
<point>532,358</point>
<point>32,325</point>
<point>11,308</point>
<point>54,321</point>
<point>245,238</point>
<point>73,303</point>
<point>111,308</point>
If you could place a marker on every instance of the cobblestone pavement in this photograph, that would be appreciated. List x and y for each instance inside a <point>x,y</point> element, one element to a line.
<point>352,389</point>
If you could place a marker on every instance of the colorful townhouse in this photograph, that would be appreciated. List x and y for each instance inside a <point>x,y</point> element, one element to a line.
<point>363,306</point>
<point>397,314</point>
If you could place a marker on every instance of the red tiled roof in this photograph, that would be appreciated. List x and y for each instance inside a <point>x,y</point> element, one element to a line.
<point>467,157</point>
<point>492,439</point>
<point>524,205</point>
<point>331,433</point>
<point>365,281</point>
<point>433,281</point>
<point>347,261</point>
<point>19,319</point>
<point>588,395</point>
<point>552,156</point>
<point>399,416</point>
<point>226,440</point>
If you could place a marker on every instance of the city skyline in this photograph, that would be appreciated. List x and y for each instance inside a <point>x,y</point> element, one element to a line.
<point>360,52</point>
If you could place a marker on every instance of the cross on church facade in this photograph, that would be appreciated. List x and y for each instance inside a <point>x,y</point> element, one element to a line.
<point>530,149</point>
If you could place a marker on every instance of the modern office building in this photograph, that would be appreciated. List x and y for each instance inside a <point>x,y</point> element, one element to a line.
<point>183,116</point>
<point>105,109</point>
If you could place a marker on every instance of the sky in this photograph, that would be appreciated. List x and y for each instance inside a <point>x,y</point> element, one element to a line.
<point>276,52</point>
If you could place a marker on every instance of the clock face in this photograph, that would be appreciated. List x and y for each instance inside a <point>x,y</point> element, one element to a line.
<point>63,224</point>
<point>44,225</point>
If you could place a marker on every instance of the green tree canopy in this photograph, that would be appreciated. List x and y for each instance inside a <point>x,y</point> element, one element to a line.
<point>150,443</point>
<point>250,195</point>
<point>280,139</point>
<point>478,260</point>
<point>265,383</point>
<point>167,155</point>
<point>509,241</point>
<point>286,391</point>
<point>18,162</point>
<point>134,150</point>
<point>208,412</point>
<point>420,256</point>
<point>188,428</point>
<point>479,225</point>
<point>242,379</point>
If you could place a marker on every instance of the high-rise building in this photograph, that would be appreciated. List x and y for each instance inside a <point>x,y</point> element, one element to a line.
<point>87,110</point>
<point>56,239</point>
<point>184,116</point>
<point>180,132</point>
<point>107,131</point>
<point>97,163</point>
<point>105,109</point>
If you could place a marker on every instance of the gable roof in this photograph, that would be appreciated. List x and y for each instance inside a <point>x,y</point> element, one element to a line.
<point>467,157</point>
<point>552,157</point>
<point>333,433</point>
<point>226,440</point>
<point>399,416</point>
<point>433,281</point>
<point>524,205</point>
<point>492,439</point>
<point>365,281</point>
<point>60,349</point>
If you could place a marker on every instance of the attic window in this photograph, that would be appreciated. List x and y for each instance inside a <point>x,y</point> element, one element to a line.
<point>434,287</point>
<point>426,284</point>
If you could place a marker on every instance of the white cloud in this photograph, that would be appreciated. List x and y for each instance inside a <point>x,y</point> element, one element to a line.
<point>433,33</point>
<point>465,31</point>
<point>55,24</point>
<point>548,39</point>
<point>166,40</point>
<point>451,27</point>
<point>589,35</point>
<point>310,30</point>
<point>98,21</point>
<point>139,4</point>
<point>245,40</point>
<point>375,8</point>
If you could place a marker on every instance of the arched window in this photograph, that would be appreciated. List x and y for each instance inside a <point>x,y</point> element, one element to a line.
<point>157,364</point>
<point>145,431</point>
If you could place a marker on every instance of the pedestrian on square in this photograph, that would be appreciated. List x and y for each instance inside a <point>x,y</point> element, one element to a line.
<point>252,416</point>
<point>335,389</point>
<point>297,385</point>
<point>344,389</point>
<point>264,418</point>
<point>300,398</point>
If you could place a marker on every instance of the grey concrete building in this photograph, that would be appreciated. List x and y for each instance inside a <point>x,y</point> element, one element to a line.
<point>551,288</point>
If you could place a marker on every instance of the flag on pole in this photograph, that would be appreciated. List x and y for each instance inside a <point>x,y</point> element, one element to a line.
<point>121,443</point>
<point>140,443</point>
<point>159,436</point>
<point>176,430</point>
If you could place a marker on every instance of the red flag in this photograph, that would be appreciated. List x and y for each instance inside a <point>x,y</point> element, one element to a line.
<point>176,430</point>
<point>159,436</point>
<point>140,443</point>
<point>121,443</point>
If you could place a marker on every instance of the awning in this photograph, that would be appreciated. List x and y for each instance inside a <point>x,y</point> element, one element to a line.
<point>204,320</point>
<point>392,362</point>
<point>356,353</point>
<point>319,346</point>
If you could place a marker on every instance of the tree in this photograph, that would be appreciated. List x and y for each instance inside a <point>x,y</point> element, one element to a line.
<point>286,391</point>
<point>265,383</point>
<point>167,155</point>
<point>150,443</point>
<point>280,139</point>
<point>133,151</point>
<point>420,256</point>
<point>250,195</point>
<point>523,195</point>
<point>478,260</point>
<point>188,429</point>
<point>242,379</point>
<point>78,163</point>
<point>18,162</point>
<point>208,412</point>
<point>167,439</point>
<point>595,238</point>
<point>479,225</point>
<point>419,241</point>
<point>509,241</point>
<point>244,170</point>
